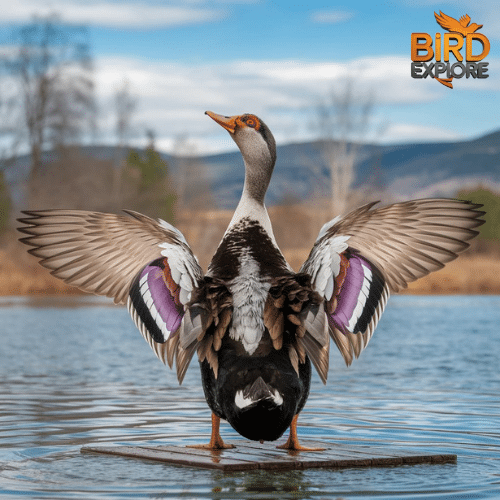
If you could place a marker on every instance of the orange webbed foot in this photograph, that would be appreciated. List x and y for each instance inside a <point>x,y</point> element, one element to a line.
<point>296,446</point>
<point>216,442</point>
<point>292,443</point>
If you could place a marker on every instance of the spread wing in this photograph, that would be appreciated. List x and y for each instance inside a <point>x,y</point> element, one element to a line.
<point>358,260</point>
<point>131,258</point>
<point>447,22</point>
<point>465,20</point>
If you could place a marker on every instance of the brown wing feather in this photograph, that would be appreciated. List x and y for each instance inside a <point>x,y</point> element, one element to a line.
<point>97,252</point>
<point>205,325</point>
<point>410,239</point>
<point>293,306</point>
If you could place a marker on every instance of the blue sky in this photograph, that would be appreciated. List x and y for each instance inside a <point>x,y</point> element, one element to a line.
<point>275,59</point>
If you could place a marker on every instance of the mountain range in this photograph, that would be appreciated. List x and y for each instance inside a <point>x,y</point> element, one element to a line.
<point>401,171</point>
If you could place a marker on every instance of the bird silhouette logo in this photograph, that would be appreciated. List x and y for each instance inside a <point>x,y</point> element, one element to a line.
<point>462,26</point>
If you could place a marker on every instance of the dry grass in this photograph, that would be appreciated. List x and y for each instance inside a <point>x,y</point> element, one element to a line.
<point>469,274</point>
<point>21,275</point>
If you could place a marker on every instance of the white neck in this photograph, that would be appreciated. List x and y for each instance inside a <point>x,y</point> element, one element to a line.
<point>250,208</point>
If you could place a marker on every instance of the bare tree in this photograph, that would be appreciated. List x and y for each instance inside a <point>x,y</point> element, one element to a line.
<point>125,105</point>
<point>54,73</point>
<point>71,109</point>
<point>74,180</point>
<point>342,120</point>
<point>192,184</point>
<point>9,123</point>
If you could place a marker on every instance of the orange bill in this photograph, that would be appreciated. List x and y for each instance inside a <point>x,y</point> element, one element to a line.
<point>228,122</point>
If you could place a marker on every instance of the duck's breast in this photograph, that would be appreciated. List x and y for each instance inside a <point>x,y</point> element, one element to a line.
<point>248,260</point>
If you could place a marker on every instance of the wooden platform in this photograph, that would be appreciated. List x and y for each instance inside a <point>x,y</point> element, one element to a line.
<point>250,455</point>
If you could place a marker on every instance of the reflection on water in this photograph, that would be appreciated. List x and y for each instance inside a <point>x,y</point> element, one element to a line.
<point>75,372</point>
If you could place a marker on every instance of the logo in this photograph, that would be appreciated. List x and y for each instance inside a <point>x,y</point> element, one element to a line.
<point>461,35</point>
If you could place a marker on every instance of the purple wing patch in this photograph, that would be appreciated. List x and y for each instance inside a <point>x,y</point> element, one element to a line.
<point>154,297</point>
<point>359,289</point>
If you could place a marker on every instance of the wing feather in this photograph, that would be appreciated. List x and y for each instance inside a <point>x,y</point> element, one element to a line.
<point>380,251</point>
<point>87,249</point>
<point>397,235</point>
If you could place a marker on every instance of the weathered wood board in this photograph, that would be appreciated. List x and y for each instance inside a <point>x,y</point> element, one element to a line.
<point>249,455</point>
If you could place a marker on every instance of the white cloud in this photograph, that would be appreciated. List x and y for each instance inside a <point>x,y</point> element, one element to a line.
<point>135,14</point>
<point>7,52</point>
<point>406,132</point>
<point>172,97</point>
<point>331,16</point>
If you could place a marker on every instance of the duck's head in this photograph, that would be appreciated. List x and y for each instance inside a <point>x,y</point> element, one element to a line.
<point>257,146</point>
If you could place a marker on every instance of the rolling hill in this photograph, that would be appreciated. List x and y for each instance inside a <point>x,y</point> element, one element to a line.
<point>403,171</point>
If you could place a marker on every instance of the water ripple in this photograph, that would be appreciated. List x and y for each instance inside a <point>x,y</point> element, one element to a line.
<point>77,373</point>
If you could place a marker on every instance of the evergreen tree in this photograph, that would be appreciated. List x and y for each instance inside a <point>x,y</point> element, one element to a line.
<point>148,185</point>
<point>490,230</point>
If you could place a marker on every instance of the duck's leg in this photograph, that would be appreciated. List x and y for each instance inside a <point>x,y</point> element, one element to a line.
<point>293,441</point>
<point>216,442</point>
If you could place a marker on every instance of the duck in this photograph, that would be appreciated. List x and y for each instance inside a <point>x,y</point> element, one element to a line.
<point>258,328</point>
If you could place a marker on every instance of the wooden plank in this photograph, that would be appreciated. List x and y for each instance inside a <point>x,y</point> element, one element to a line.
<point>407,456</point>
<point>329,457</point>
<point>184,456</point>
<point>251,455</point>
<point>246,454</point>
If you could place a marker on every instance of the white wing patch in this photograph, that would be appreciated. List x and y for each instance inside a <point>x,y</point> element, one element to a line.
<point>181,271</point>
<point>166,225</point>
<point>324,229</point>
<point>324,267</point>
<point>362,298</point>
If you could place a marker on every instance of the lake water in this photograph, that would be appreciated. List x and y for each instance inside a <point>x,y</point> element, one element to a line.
<point>75,372</point>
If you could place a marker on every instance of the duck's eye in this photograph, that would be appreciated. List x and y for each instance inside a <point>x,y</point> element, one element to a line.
<point>252,122</point>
